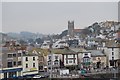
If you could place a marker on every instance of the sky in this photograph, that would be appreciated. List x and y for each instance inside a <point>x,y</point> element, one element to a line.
<point>52,17</point>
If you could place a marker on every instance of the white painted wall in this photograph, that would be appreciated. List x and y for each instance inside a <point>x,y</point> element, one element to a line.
<point>71,56</point>
<point>46,45</point>
<point>58,44</point>
<point>64,71</point>
<point>30,65</point>
<point>116,53</point>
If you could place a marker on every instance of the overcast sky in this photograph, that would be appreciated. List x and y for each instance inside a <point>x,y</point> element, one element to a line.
<point>52,17</point>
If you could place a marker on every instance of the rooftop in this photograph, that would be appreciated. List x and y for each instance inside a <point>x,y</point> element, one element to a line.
<point>63,51</point>
<point>96,53</point>
<point>30,54</point>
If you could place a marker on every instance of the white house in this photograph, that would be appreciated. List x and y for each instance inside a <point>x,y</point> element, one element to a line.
<point>64,71</point>
<point>30,64</point>
<point>113,53</point>
<point>45,45</point>
<point>60,44</point>
<point>70,59</point>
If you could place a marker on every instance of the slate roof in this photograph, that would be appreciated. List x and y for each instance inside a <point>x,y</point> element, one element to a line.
<point>30,54</point>
<point>63,51</point>
<point>97,53</point>
<point>39,51</point>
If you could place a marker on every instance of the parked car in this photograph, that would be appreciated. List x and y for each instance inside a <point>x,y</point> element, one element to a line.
<point>37,76</point>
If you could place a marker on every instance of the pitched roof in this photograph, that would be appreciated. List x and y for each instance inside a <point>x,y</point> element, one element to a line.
<point>79,50</point>
<point>63,51</point>
<point>30,54</point>
<point>39,51</point>
<point>112,43</point>
<point>96,53</point>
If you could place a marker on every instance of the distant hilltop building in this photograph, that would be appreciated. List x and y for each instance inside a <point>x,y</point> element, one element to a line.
<point>109,24</point>
<point>71,29</point>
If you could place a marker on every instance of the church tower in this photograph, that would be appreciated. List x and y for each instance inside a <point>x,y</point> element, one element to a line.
<point>71,29</point>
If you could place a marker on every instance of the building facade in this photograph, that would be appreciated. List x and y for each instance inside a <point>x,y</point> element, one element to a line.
<point>30,64</point>
<point>86,60</point>
<point>53,61</point>
<point>11,63</point>
<point>114,56</point>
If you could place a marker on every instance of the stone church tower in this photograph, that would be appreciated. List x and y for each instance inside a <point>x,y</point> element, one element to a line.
<point>71,29</point>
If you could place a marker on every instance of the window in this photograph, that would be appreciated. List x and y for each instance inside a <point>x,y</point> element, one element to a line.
<point>19,54</point>
<point>74,56</point>
<point>112,49</point>
<point>66,59</point>
<point>12,74</point>
<point>86,60</point>
<point>14,55</point>
<point>40,67</point>
<point>49,68</point>
<point>112,58</point>
<point>26,65</point>
<point>33,58</point>
<point>111,62</point>
<point>49,57</point>
<point>9,64</point>
<point>23,52</point>
<point>74,60</point>
<point>70,61</point>
<point>5,75</point>
<point>56,57</point>
<point>56,62</point>
<point>33,64</point>
<point>19,63</point>
<point>14,63</point>
<point>56,46</point>
<point>49,63</point>
<point>86,54</point>
<point>26,58</point>
<point>112,53</point>
<point>9,55</point>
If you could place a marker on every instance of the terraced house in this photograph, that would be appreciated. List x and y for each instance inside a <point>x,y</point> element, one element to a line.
<point>53,61</point>
<point>11,63</point>
<point>30,64</point>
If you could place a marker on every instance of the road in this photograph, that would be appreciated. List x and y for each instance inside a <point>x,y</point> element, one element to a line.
<point>99,71</point>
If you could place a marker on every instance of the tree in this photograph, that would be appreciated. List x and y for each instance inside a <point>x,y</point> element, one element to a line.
<point>30,40</point>
<point>39,41</point>
<point>22,42</point>
<point>64,33</point>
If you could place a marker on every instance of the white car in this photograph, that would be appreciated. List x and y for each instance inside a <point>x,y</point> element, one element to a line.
<point>37,76</point>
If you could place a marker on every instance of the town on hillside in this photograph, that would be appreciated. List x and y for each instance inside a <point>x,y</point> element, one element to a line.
<point>92,52</point>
